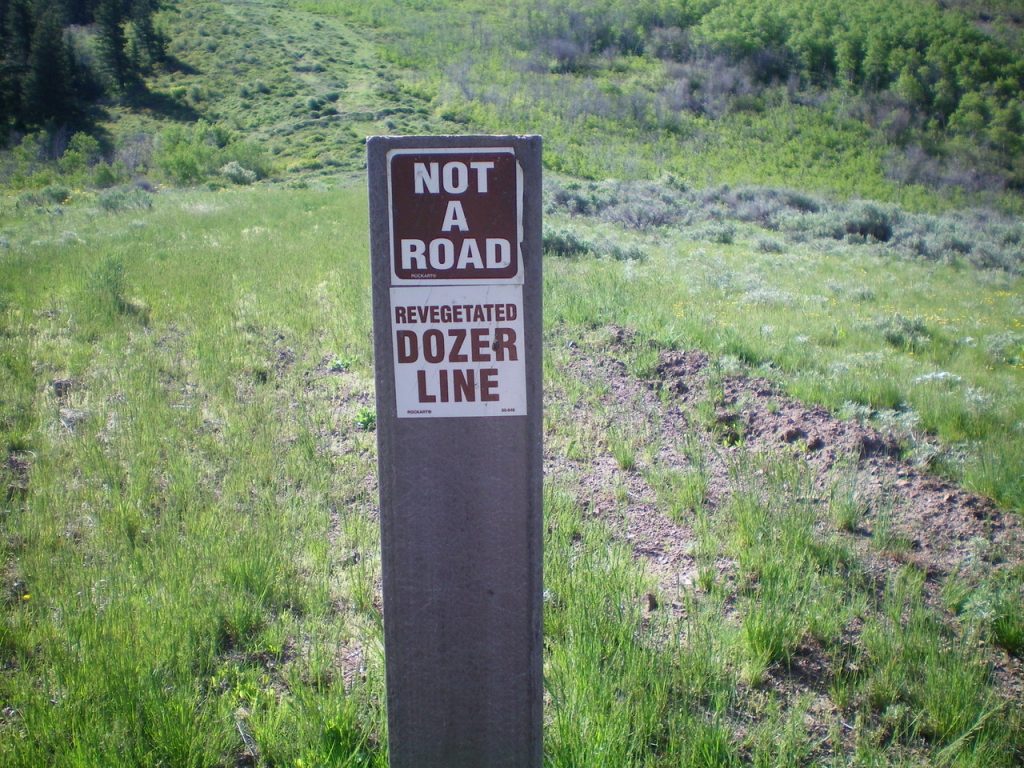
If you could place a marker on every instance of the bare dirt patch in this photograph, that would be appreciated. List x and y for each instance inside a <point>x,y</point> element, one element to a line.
<point>17,467</point>
<point>938,525</point>
<point>939,519</point>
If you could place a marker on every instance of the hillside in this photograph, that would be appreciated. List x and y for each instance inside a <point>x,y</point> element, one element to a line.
<point>879,99</point>
<point>926,114</point>
<point>784,384</point>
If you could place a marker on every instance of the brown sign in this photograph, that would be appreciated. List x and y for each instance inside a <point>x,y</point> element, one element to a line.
<point>455,215</point>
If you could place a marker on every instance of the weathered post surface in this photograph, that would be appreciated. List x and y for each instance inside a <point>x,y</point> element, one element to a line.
<point>455,227</point>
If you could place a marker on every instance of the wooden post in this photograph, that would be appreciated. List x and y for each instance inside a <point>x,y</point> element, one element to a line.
<point>456,262</point>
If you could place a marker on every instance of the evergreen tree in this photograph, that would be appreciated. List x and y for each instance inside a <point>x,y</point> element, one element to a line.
<point>46,93</point>
<point>18,26</point>
<point>77,11</point>
<point>19,23</point>
<point>147,46</point>
<point>110,18</point>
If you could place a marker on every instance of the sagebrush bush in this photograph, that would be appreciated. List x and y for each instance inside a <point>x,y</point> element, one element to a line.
<point>907,333</point>
<point>645,212</point>
<point>236,174</point>
<point>723,233</point>
<point>768,245</point>
<point>981,238</point>
<point>566,244</point>
<point>54,194</point>
<point>870,220</point>
<point>623,252</point>
<point>124,198</point>
<point>1006,347</point>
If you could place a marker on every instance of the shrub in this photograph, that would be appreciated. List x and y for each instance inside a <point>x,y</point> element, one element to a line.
<point>83,151</point>
<point>565,244</point>
<point>1006,347</point>
<point>869,220</point>
<point>768,245</point>
<point>250,156</point>
<point>802,203</point>
<point>237,174</point>
<point>568,56</point>
<point>722,233</point>
<point>908,333</point>
<point>644,212</point>
<point>669,43</point>
<point>188,156</point>
<point>570,199</point>
<point>135,152</point>
<point>624,253</point>
<point>55,194</point>
<point>184,155</point>
<point>124,198</point>
<point>104,175</point>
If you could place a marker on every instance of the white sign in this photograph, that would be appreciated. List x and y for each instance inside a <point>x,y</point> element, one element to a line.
<point>455,221</point>
<point>458,350</point>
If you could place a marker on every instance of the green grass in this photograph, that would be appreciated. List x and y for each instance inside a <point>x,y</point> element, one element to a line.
<point>620,115</point>
<point>189,553</point>
<point>821,323</point>
<point>250,91</point>
<point>193,556</point>
<point>916,689</point>
<point>308,88</point>
<point>175,584</point>
<point>682,493</point>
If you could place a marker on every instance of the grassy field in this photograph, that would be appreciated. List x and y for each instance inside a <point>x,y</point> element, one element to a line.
<point>931,352</point>
<point>195,535</point>
<point>189,546</point>
<point>191,549</point>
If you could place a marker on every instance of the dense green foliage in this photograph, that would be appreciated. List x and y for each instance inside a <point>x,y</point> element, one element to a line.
<point>60,56</point>
<point>881,96</point>
<point>941,67</point>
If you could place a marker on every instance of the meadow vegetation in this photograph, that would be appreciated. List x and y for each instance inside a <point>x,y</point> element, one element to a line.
<point>821,197</point>
<point>889,101</point>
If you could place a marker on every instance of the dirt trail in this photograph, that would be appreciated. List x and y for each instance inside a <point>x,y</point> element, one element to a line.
<point>939,519</point>
<point>940,526</point>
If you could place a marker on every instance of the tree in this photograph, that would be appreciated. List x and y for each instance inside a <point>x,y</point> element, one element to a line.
<point>110,18</point>
<point>145,44</point>
<point>971,117</point>
<point>18,25</point>
<point>47,94</point>
<point>77,11</point>
<point>875,66</point>
<point>848,60</point>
